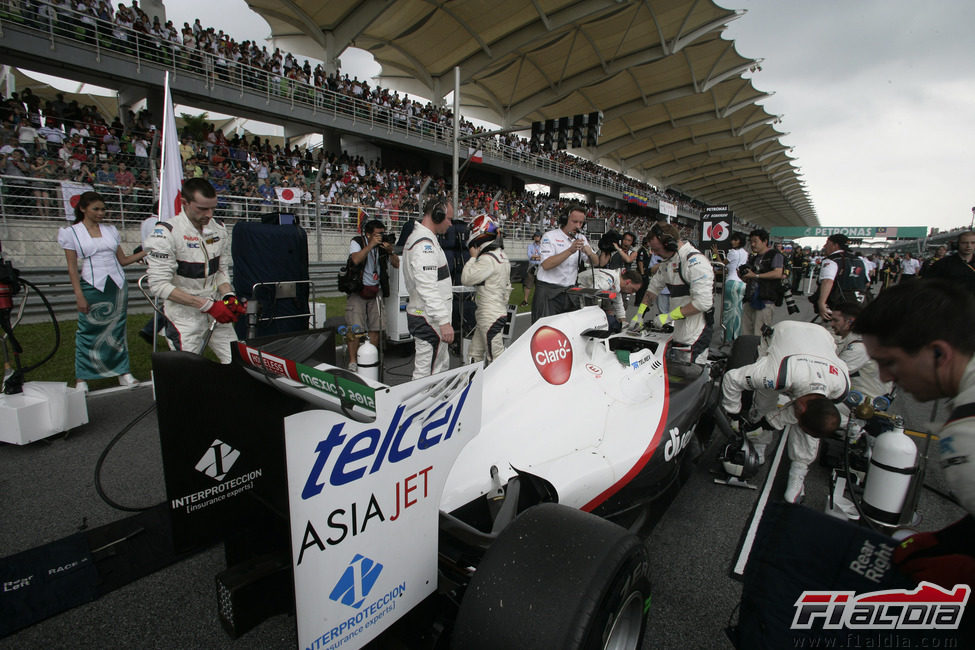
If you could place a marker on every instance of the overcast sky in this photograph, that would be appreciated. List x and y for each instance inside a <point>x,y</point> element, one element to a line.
<point>878,97</point>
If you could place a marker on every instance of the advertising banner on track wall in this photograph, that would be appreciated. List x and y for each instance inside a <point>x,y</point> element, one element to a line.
<point>717,225</point>
<point>853,232</point>
<point>365,502</point>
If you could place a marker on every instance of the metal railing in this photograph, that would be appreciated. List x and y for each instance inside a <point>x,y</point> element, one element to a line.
<point>37,200</point>
<point>147,49</point>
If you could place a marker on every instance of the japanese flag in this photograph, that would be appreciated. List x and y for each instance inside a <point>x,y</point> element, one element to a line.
<point>70,193</point>
<point>171,172</point>
<point>288,194</point>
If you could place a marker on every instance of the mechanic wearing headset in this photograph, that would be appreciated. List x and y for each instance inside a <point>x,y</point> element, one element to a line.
<point>427,279</point>
<point>188,270</point>
<point>559,269</point>
<point>618,281</point>
<point>921,336</point>
<point>801,363</point>
<point>690,278</point>
<point>489,270</point>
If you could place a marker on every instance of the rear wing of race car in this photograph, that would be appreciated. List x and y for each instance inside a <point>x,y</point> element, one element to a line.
<point>366,468</point>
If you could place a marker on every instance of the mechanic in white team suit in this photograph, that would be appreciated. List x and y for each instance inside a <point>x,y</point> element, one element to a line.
<point>188,270</point>
<point>618,281</point>
<point>489,270</point>
<point>427,278</point>
<point>864,372</point>
<point>801,363</point>
<point>688,274</point>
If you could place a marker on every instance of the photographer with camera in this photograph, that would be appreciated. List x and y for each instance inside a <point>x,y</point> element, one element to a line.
<point>622,254</point>
<point>689,276</point>
<point>373,252</point>
<point>763,289</point>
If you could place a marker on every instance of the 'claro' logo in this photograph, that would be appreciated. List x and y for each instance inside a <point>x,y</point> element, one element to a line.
<point>552,354</point>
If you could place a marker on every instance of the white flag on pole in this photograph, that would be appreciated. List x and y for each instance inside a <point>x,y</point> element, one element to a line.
<point>70,193</point>
<point>171,171</point>
<point>288,194</point>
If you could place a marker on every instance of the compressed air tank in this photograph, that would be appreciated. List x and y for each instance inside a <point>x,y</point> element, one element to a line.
<point>893,465</point>
<point>367,358</point>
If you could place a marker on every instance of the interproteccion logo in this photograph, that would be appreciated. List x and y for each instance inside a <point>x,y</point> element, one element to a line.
<point>927,607</point>
<point>218,460</point>
<point>356,582</point>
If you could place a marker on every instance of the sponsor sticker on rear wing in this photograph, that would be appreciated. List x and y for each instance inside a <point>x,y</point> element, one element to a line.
<point>341,388</point>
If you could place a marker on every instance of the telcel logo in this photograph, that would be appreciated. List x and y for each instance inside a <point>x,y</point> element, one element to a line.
<point>552,353</point>
<point>366,451</point>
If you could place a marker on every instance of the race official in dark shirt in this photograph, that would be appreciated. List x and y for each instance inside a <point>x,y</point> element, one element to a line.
<point>958,268</point>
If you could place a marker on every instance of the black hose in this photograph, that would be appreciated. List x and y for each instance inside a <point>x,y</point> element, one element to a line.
<point>104,455</point>
<point>54,321</point>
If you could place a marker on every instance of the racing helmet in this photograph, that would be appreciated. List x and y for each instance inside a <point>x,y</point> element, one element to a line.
<point>740,460</point>
<point>482,230</point>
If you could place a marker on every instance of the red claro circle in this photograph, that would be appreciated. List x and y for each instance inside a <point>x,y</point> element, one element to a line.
<point>552,353</point>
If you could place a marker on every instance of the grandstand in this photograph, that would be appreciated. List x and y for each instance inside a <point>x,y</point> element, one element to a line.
<point>700,134</point>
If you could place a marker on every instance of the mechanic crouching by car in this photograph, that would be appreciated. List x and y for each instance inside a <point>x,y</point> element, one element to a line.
<point>188,270</point>
<point>864,373</point>
<point>489,270</point>
<point>921,336</point>
<point>618,281</point>
<point>689,276</point>
<point>801,363</point>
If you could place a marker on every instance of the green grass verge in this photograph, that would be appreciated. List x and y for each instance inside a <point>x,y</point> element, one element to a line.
<point>37,341</point>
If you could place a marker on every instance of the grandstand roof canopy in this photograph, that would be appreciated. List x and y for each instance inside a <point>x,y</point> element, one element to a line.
<point>677,111</point>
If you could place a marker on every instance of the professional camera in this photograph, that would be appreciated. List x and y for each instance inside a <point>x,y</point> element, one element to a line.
<point>608,242</point>
<point>789,299</point>
<point>745,268</point>
<point>389,238</point>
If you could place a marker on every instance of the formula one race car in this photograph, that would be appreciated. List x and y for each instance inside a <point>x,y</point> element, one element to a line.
<point>482,497</point>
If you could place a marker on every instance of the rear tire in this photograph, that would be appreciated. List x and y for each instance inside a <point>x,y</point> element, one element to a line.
<point>557,577</point>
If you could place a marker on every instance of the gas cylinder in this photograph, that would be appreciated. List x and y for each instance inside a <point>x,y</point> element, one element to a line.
<point>368,360</point>
<point>893,465</point>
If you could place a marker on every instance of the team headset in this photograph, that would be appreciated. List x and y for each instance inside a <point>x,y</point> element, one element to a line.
<point>437,211</point>
<point>564,217</point>
<point>668,242</point>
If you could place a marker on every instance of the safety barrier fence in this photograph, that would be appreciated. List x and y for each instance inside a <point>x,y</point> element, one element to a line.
<point>87,31</point>
<point>36,200</point>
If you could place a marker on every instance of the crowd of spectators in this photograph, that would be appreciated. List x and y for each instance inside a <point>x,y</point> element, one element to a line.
<point>130,30</point>
<point>58,140</point>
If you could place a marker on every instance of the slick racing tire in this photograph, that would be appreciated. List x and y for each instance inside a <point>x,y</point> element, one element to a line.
<point>557,577</point>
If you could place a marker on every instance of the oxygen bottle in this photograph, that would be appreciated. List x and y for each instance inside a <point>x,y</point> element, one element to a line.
<point>893,465</point>
<point>367,358</point>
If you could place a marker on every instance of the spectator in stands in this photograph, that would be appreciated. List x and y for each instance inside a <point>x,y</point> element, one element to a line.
<point>101,349</point>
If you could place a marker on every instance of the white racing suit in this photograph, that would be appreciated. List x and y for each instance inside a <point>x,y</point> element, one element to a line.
<point>690,278</point>
<point>490,272</point>
<point>957,442</point>
<point>181,257</point>
<point>431,298</point>
<point>800,360</point>
<point>864,372</point>
<point>606,280</point>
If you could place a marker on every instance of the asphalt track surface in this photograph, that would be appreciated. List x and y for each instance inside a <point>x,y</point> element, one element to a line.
<point>47,490</point>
